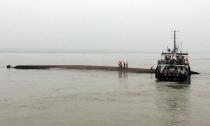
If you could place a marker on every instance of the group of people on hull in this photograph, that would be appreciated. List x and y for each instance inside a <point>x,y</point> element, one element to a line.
<point>123,64</point>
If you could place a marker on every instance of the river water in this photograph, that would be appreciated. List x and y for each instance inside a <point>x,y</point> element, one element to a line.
<point>58,97</point>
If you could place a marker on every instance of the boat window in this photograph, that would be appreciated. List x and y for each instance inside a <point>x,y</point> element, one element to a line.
<point>167,57</point>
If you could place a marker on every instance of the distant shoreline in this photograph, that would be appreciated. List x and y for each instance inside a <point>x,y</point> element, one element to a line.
<point>82,51</point>
<point>60,51</point>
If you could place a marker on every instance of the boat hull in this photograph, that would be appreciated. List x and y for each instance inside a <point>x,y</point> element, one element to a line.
<point>178,78</point>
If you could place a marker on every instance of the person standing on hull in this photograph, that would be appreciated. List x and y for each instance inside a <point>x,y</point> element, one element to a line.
<point>120,64</point>
<point>126,64</point>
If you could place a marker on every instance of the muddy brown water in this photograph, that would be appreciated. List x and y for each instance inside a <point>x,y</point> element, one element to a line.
<point>58,97</point>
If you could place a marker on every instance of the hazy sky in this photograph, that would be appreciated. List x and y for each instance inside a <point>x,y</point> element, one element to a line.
<point>117,25</point>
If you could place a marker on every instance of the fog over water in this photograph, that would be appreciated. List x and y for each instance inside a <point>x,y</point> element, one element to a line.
<point>101,32</point>
<point>104,25</point>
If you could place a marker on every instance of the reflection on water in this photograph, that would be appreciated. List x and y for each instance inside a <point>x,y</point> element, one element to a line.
<point>152,76</point>
<point>173,103</point>
<point>123,74</point>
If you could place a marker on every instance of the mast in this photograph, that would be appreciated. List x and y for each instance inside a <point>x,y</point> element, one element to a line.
<point>175,48</point>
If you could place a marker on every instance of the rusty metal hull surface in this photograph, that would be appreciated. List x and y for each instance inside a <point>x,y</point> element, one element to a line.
<point>88,67</point>
<point>85,67</point>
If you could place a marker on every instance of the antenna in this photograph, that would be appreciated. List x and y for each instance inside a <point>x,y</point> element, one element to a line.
<point>181,46</point>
